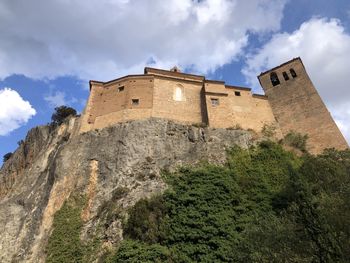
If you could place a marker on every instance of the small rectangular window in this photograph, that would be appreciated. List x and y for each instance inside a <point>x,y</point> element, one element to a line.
<point>237,93</point>
<point>293,73</point>
<point>285,76</point>
<point>135,102</point>
<point>121,88</point>
<point>214,102</point>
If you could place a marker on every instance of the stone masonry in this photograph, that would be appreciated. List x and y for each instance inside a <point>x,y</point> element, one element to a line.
<point>290,104</point>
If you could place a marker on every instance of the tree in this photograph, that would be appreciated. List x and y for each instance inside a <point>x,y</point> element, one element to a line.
<point>61,113</point>
<point>7,156</point>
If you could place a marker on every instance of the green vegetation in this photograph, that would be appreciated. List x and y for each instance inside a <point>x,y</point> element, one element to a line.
<point>200,125</point>
<point>264,205</point>
<point>132,251</point>
<point>61,113</point>
<point>64,243</point>
<point>269,130</point>
<point>296,140</point>
<point>7,156</point>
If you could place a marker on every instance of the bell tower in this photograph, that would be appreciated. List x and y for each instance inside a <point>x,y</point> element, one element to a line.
<point>298,107</point>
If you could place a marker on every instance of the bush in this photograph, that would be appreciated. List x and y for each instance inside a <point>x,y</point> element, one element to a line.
<point>64,244</point>
<point>145,223</point>
<point>200,125</point>
<point>61,113</point>
<point>134,251</point>
<point>235,127</point>
<point>296,140</point>
<point>7,156</point>
<point>264,205</point>
<point>268,130</point>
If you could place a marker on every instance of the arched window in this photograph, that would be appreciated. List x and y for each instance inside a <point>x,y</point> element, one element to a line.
<point>285,75</point>
<point>179,93</point>
<point>293,73</point>
<point>274,79</point>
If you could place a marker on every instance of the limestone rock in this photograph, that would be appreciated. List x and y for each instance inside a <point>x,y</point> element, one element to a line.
<point>117,165</point>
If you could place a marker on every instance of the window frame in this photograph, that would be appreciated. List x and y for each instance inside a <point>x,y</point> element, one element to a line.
<point>135,102</point>
<point>275,81</point>
<point>293,73</point>
<point>216,100</point>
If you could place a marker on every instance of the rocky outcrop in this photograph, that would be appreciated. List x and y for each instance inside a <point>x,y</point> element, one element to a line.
<point>119,164</point>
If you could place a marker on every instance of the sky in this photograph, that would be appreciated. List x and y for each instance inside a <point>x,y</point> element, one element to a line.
<point>49,50</point>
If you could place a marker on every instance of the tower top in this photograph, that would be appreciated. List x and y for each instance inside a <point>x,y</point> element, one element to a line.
<point>283,64</point>
<point>175,69</point>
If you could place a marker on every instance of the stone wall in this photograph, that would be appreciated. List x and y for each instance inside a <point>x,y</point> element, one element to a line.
<point>184,106</point>
<point>297,106</point>
<point>112,102</point>
<point>293,104</point>
<point>237,107</point>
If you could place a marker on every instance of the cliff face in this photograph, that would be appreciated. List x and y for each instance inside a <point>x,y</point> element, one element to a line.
<point>53,164</point>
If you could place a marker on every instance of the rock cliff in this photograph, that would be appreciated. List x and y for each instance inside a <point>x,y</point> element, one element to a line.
<point>119,164</point>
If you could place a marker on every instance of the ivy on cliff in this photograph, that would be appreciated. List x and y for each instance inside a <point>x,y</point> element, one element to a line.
<point>264,205</point>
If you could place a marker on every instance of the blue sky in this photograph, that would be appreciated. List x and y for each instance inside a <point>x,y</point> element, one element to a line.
<point>49,50</point>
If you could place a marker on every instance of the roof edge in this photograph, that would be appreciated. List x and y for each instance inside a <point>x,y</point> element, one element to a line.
<point>147,70</point>
<point>237,87</point>
<point>281,65</point>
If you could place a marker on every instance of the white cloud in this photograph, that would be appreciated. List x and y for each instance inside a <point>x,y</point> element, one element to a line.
<point>324,47</point>
<point>57,99</point>
<point>103,39</point>
<point>60,98</point>
<point>14,111</point>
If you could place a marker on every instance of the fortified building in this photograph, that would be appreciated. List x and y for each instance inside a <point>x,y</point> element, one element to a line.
<point>291,103</point>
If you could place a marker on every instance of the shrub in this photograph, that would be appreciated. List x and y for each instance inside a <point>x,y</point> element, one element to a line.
<point>134,251</point>
<point>264,205</point>
<point>268,130</point>
<point>200,125</point>
<point>296,140</point>
<point>145,221</point>
<point>61,113</point>
<point>64,244</point>
<point>7,156</point>
<point>235,127</point>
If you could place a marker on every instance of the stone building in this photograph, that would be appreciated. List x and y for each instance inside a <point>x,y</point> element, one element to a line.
<point>291,103</point>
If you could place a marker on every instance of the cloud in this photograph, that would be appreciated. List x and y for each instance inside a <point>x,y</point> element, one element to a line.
<point>102,39</point>
<point>14,111</point>
<point>324,47</point>
<point>57,99</point>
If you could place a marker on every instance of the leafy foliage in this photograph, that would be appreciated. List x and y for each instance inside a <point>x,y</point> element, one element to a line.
<point>264,205</point>
<point>269,130</point>
<point>145,220</point>
<point>134,251</point>
<point>64,243</point>
<point>7,156</point>
<point>61,113</point>
<point>296,140</point>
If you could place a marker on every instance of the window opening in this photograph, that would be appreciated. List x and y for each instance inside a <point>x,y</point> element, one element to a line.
<point>178,93</point>
<point>237,93</point>
<point>293,73</point>
<point>121,88</point>
<point>135,102</point>
<point>285,75</point>
<point>214,102</point>
<point>274,79</point>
